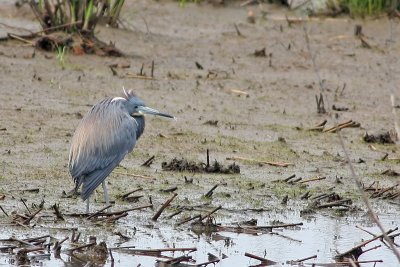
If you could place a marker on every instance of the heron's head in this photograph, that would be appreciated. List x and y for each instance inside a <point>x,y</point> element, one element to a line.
<point>138,108</point>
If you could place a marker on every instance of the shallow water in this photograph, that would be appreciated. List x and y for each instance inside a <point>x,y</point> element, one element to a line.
<point>320,235</point>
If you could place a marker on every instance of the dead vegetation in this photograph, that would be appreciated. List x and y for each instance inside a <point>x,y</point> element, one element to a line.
<point>71,24</point>
<point>380,138</point>
<point>182,165</point>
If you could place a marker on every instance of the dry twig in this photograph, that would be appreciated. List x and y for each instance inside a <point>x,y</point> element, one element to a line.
<point>163,207</point>
<point>277,164</point>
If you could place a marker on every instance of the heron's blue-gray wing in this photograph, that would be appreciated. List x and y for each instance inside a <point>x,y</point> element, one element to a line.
<point>102,139</point>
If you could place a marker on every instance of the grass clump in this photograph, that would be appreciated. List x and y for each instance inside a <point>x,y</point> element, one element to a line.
<point>369,7</point>
<point>61,56</point>
<point>182,3</point>
<point>76,20</point>
<point>76,15</point>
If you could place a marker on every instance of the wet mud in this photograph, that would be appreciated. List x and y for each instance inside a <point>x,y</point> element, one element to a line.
<point>246,91</point>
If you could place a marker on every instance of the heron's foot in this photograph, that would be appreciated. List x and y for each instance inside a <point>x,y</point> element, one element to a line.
<point>70,194</point>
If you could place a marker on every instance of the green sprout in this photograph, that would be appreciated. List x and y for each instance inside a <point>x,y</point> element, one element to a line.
<point>61,56</point>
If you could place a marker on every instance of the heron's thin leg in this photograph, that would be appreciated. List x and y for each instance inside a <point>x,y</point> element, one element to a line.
<point>87,205</point>
<point>106,194</point>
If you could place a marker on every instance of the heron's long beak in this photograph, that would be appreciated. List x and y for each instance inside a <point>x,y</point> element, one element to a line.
<point>147,110</point>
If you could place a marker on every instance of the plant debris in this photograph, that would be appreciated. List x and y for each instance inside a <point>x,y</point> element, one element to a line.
<point>380,138</point>
<point>182,165</point>
<point>71,24</point>
<point>356,251</point>
<point>260,53</point>
<point>211,122</point>
<point>376,191</point>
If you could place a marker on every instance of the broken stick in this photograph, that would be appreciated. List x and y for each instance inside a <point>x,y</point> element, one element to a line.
<point>163,207</point>
<point>277,164</point>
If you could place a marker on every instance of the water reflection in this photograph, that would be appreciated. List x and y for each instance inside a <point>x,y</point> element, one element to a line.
<point>321,235</point>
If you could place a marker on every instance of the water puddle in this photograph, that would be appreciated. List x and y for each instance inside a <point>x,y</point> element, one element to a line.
<point>320,235</point>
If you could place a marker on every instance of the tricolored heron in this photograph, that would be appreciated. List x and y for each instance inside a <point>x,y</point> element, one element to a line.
<point>102,139</point>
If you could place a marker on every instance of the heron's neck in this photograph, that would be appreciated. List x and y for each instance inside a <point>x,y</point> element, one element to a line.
<point>140,125</point>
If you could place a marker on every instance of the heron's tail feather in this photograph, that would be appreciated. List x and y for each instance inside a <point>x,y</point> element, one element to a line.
<point>93,180</point>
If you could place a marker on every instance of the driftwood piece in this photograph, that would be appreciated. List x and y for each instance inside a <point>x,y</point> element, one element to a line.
<point>296,262</point>
<point>263,260</point>
<point>98,212</point>
<point>163,207</point>
<point>357,250</point>
<point>210,213</point>
<point>152,252</point>
<point>124,196</point>
<point>189,219</point>
<point>148,162</point>
<point>254,229</point>
<point>276,164</point>
<point>71,250</point>
<point>211,191</point>
<point>341,202</point>
<point>57,212</point>
<point>342,125</point>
